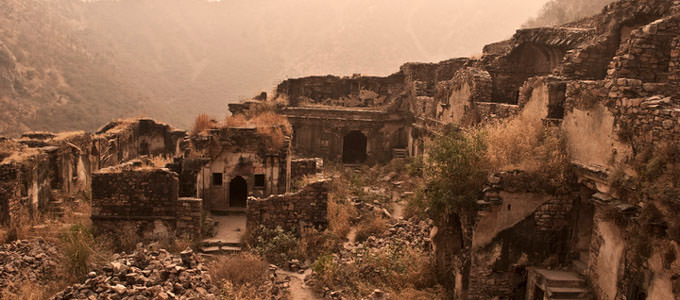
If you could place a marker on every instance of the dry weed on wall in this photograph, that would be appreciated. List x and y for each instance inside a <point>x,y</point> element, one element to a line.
<point>524,143</point>
<point>202,123</point>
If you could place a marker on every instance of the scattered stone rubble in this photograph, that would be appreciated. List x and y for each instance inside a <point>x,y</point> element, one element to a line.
<point>147,274</point>
<point>404,234</point>
<point>24,260</point>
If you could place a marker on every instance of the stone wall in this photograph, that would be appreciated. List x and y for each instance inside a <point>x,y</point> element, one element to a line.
<point>320,132</point>
<point>122,140</point>
<point>189,217</point>
<point>647,53</point>
<point>305,166</point>
<point>145,199</point>
<point>521,222</point>
<point>304,209</point>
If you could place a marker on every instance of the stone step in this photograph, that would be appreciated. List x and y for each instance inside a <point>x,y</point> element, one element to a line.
<point>214,242</point>
<point>566,292</point>
<point>579,267</point>
<point>223,249</point>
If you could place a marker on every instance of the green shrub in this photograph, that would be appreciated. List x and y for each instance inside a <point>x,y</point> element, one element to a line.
<point>456,171</point>
<point>276,245</point>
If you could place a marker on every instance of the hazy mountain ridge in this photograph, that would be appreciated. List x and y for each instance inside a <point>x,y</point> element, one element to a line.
<point>51,79</point>
<point>83,63</point>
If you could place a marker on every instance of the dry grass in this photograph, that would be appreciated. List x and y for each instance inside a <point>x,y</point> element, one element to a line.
<point>413,294</point>
<point>273,125</point>
<point>340,215</point>
<point>27,290</point>
<point>393,269</point>
<point>236,121</point>
<point>202,123</point>
<point>160,161</point>
<point>525,144</point>
<point>369,227</point>
<point>313,243</point>
<point>267,122</point>
<point>239,269</point>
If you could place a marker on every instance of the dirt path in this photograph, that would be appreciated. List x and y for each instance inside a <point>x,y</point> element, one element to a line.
<point>298,289</point>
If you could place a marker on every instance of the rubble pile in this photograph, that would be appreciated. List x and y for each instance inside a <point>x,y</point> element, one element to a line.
<point>410,233</point>
<point>25,260</point>
<point>147,274</point>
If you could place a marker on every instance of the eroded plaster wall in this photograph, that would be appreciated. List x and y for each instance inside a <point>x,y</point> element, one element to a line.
<point>591,137</point>
<point>606,256</point>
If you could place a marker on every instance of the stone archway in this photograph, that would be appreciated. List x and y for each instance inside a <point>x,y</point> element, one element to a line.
<point>238,192</point>
<point>354,147</point>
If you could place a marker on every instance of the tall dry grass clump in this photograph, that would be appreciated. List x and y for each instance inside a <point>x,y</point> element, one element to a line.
<point>238,120</point>
<point>239,269</point>
<point>273,125</point>
<point>267,122</point>
<point>203,122</point>
<point>240,276</point>
<point>77,245</point>
<point>524,143</point>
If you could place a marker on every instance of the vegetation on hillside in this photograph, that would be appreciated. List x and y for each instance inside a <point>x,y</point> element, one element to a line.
<point>558,12</point>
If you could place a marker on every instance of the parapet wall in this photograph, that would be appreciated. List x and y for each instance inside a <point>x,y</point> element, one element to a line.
<point>292,212</point>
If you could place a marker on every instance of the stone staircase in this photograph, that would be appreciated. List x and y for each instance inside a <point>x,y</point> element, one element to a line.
<point>229,230</point>
<point>215,246</point>
<point>55,206</point>
<point>558,285</point>
<point>399,153</point>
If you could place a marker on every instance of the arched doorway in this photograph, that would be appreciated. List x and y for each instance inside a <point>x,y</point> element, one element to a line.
<point>238,192</point>
<point>354,147</point>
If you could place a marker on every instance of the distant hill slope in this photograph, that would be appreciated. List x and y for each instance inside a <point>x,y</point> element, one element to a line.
<point>49,79</point>
<point>557,12</point>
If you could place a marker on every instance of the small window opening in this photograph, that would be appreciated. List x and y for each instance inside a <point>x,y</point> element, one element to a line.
<point>259,180</point>
<point>217,179</point>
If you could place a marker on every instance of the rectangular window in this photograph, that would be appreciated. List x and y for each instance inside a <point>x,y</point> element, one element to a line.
<point>217,179</point>
<point>259,180</point>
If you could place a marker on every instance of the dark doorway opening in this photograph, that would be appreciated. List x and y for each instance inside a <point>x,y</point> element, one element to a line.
<point>238,192</point>
<point>354,148</point>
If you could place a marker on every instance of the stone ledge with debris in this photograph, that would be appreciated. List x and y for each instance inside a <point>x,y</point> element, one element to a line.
<point>27,260</point>
<point>147,274</point>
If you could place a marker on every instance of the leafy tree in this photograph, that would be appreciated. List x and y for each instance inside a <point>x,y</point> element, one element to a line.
<point>455,171</point>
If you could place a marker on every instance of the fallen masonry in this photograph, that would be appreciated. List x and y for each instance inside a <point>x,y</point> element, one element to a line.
<point>27,261</point>
<point>147,274</point>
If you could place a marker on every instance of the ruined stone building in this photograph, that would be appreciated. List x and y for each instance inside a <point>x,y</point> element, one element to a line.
<point>608,83</point>
<point>227,165</point>
<point>40,168</point>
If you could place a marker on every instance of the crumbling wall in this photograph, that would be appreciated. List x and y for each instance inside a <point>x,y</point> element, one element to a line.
<point>468,86</point>
<point>10,192</point>
<point>320,132</point>
<point>123,140</point>
<point>646,54</point>
<point>304,166</point>
<point>356,91</point>
<point>292,212</point>
<point>606,254</point>
<point>520,223</point>
<point>144,200</point>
